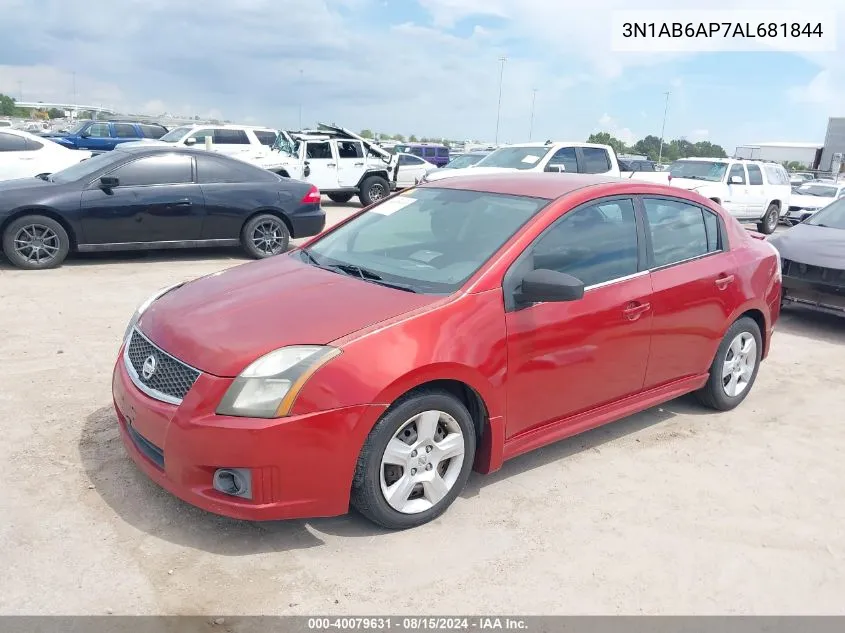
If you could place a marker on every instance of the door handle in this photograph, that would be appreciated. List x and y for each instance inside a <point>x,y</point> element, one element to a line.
<point>634,310</point>
<point>27,158</point>
<point>331,164</point>
<point>723,281</point>
<point>181,203</point>
<point>359,164</point>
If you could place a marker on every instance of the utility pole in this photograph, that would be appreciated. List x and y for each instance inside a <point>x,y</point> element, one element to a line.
<point>300,98</point>
<point>502,61</point>
<point>663,128</point>
<point>533,101</point>
<point>20,89</point>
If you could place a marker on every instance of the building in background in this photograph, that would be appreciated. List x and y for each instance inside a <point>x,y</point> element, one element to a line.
<point>806,154</point>
<point>834,143</point>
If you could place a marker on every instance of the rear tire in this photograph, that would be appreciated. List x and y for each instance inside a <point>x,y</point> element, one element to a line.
<point>734,369</point>
<point>265,235</point>
<point>340,198</point>
<point>35,242</point>
<point>769,222</point>
<point>373,189</point>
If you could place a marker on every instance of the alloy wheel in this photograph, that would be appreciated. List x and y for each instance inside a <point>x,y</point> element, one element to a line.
<point>376,192</point>
<point>37,243</point>
<point>269,237</point>
<point>738,366</point>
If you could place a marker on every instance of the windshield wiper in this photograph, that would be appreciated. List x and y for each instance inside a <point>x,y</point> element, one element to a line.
<point>368,275</point>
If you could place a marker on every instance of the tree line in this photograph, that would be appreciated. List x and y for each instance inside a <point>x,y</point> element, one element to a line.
<point>650,146</point>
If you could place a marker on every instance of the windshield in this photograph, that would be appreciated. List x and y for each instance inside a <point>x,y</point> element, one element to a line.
<point>467,160</point>
<point>84,168</point>
<point>817,190</point>
<point>76,129</point>
<point>428,240</point>
<point>832,216</point>
<point>175,135</point>
<point>698,170</point>
<point>514,157</point>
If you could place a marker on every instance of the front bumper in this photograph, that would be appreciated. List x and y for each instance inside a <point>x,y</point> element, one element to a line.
<point>818,296</point>
<point>301,466</point>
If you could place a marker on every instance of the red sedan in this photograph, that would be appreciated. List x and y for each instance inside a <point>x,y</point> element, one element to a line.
<point>446,328</point>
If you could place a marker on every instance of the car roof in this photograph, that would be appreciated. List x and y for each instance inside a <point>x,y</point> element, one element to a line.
<point>533,184</point>
<point>555,144</point>
<point>225,126</point>
<point>25,134</point>
<point>164,148</point>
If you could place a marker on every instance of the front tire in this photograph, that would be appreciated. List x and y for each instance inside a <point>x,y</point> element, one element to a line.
<point>734,369</point>
<point>373,189</point>
<point>415,461</point>
<point>35,242</point>
<point>769,222</point>
<point>265,235</point>
<point>340,198</point>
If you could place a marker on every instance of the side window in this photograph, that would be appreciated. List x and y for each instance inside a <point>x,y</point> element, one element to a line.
<point>677,229</point>
<point>714,233</point>
<point>32,145</point>
<point>12,143</point>
<point>265,137</point>
<point>430,152</point>
<point>596,244</point>
<point>124,130</point>
<point>230,137</point>
<point>566,157</point>
<point>201,134</point>
<point>405,159</point>
<point>155,170</point>
<point>152,131</point>
<point>211,170</point>
<point>442,152</point>
<point>349,149</point>
<point>98,130</point>
<point>318,150</point>
<point>416,151</point>
<point>755,176</point>
<point>596,161</point>
<point>737,170</point>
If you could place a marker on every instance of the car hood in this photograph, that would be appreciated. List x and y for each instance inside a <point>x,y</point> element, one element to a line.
<point>224,321</point>
<point>692,184</point>
<point>439,174</point>
<point>20,184</point>
<point>804,201</point>
<point>813,245</point>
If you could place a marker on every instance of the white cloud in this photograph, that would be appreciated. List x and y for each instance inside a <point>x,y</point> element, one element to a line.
<point>608,124</point>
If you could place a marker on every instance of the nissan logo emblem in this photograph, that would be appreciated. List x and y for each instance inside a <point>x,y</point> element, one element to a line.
<point>149,367</point>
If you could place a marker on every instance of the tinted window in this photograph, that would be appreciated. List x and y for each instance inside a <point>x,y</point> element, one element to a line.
<point>595,244</point>
<point>32,145</point>
<point>98,130</point>
<point>755,176</point>
<point>217,170</point>
<point>418,151</point>
<point>318,150</point>
<point>88,167</point>
<point>350,149</point>
<point>152,131</point>
<point>442,152</point>
<point>712,226</point>
<point>230,137</point>
<point>406,159</point>
<point>429,151</point>
<point>678,231</point>
<point>566,157</point>
<point>155,170</point>
<point>737,170</point>
<point>596,161</point>
<point>12,143</point>
<point>124,130</point>
<point>265,137</point>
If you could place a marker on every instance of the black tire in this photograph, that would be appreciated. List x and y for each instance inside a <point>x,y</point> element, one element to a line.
<point>769,222</point>
<point>713,394</point>
<point>340,198</point>
<point>373,189</point>
<point>275,240</point>
<point>50,242</point>
<point>367,497</point>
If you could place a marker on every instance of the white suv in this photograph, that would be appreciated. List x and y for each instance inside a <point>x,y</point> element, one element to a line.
<point>24,155</point>
<point>581,158</point>
<point>252,144</point>
<point>751,191</point>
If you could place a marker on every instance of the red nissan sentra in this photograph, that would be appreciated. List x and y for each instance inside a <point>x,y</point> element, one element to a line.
<point>446,328</point>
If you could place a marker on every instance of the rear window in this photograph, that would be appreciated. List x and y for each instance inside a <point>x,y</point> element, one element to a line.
<point>230,137</point>
<point>152,131</point>
<point>266,137</point>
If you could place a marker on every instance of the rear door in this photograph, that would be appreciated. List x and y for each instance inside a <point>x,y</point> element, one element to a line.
<point>350,162</point>
<point>125,132</point>
<point>593,160</point>
<point>695,287</point>
<point>156,200</point>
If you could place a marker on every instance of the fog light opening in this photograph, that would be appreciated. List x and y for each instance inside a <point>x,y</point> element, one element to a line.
<point>235,482</point>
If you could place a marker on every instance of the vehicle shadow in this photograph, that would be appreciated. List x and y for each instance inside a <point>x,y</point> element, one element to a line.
<point>819,326</point>
<point>138,501</point>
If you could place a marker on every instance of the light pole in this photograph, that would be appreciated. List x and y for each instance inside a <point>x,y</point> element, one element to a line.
<point>531,125</point>
<point>502,61</point>
<point>300,99</point>
<point>20,89</point>
<point>663,128</point>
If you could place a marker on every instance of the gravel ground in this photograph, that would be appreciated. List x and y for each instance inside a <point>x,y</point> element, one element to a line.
<point>674,510</point>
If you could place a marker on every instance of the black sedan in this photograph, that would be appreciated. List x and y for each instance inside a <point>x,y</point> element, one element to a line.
<point>813,260</point>
<point>154,197</point>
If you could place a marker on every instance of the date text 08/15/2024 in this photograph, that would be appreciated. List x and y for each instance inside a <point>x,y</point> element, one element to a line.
<point>421,623</point>
<point>721,29</point>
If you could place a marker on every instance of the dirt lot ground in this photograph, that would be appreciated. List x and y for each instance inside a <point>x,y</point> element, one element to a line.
<point>675,510</point>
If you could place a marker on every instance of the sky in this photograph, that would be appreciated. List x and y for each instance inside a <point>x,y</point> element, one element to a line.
<point>424,67</point>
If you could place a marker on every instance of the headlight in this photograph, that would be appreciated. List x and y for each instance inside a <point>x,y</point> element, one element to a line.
<point>144,306</point>
<point>269,386</point>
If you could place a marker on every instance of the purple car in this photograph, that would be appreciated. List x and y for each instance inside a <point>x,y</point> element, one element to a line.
<point>432,152</point>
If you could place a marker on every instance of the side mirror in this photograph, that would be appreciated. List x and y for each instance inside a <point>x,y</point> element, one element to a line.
<point>736,180</point>
<point>543,285</point>
<point>85,135</point>
<point>190,141</point>
<point>556,169</point>
<point>109,182</point>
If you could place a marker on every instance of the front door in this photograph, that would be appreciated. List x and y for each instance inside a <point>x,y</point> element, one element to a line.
<point>695,288</point>
<point>757,194</point>
<point>97,137</point>
<point>350,163</point>
<point>322,165</point>
<point>156,200</point>
<point>565,358</point>
<point>736,198</point>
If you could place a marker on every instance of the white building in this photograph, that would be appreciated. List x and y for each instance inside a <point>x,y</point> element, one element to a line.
<point>808,154</point>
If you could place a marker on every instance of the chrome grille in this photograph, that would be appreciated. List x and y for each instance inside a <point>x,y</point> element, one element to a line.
<point>170,379</point>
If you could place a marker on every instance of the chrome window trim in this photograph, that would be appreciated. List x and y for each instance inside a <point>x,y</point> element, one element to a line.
<point>136,380</point>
